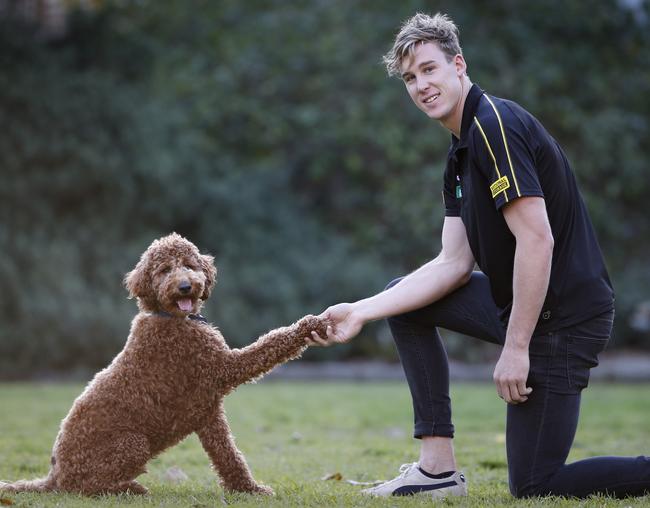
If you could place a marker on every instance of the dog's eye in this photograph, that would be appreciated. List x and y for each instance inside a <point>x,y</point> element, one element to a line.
<point>164,270</point>
<point>189,266</point>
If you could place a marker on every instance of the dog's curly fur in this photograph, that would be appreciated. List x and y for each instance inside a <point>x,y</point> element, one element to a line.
<point>168,381</point>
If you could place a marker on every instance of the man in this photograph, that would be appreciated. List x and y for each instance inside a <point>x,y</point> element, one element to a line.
<point>512,207</point>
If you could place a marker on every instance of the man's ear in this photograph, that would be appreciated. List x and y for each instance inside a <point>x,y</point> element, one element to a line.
<point>461,65</point>
<point>210,271</point>
<point>137,281</point>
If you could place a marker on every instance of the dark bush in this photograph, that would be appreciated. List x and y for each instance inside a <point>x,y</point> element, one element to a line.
<point>269,135</point>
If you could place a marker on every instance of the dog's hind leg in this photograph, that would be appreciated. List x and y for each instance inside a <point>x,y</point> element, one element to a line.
<point>107,464</point>
<point>227,460</point>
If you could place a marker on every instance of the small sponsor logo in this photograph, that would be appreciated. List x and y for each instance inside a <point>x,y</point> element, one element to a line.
<point>499,186</point>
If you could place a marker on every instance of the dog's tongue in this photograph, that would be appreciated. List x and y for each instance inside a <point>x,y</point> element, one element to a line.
<point>185,304</point>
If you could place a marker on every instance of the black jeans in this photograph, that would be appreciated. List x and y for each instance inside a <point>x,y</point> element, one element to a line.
<point>539,432</point>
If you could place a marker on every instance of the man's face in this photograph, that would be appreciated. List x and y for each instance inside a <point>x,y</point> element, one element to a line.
<point>434,84</point>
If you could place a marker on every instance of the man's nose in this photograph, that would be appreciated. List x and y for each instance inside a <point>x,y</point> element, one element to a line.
<point>184,287</point>
<point>421,84</point>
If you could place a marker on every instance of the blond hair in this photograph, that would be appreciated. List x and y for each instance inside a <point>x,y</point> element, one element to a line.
<point>422,28</point>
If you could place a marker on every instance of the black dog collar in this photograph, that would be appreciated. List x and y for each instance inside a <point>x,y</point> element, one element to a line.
<point>194,317</point>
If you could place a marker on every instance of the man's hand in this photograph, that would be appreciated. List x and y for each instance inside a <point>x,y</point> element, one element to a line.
<point>510,375</point>
<point>345,324</point>
<point>528,221</point>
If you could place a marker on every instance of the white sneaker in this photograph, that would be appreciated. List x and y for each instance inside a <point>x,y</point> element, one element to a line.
<point>412,481</point>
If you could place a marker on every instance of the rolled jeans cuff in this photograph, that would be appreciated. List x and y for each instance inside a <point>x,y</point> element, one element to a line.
<point>433,429</point>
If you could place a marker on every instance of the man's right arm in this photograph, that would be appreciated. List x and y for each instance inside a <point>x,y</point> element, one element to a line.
<point>451,269</point>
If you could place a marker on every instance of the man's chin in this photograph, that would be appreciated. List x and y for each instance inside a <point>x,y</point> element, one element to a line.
<point>437,114</point>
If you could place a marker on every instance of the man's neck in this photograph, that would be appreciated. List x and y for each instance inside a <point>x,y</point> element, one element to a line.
<point>455,121</point>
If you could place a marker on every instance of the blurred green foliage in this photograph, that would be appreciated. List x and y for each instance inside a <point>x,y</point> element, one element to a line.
<point>268,134</point>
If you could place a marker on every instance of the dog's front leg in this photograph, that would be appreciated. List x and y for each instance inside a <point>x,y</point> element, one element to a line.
<point>227,460</point>
<point>270,350</point>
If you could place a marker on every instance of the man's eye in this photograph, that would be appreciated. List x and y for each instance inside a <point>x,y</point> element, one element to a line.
<point>429,69</point>
<point>408,79</point>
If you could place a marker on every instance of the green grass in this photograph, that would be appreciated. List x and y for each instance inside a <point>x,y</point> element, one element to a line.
<point>295,434</point>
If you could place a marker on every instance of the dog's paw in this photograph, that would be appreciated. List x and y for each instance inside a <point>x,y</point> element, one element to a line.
<point>263,490</point>
<point>310,324</point>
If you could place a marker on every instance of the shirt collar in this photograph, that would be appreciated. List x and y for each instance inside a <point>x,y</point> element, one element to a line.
<point>469,111</point>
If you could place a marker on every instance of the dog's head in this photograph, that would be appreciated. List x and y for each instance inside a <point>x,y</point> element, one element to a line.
<point>172,276</point>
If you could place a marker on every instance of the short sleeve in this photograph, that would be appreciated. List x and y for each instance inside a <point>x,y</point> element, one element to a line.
<point>503,153</point>
<point>450,195</point>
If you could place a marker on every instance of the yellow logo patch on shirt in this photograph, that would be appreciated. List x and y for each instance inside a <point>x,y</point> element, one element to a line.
<point>499,186</point>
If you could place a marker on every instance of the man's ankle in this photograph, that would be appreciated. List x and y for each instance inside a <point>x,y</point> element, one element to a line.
<point>437,454</point>
<point>436,468</point>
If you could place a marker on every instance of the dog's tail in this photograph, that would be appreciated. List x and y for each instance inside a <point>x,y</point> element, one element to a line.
<point>38,485</point>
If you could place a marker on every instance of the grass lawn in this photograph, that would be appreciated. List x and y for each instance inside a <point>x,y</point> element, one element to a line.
<point>293,435</point>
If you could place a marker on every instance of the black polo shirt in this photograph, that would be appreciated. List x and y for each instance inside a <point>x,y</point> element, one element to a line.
<point>505,153</point>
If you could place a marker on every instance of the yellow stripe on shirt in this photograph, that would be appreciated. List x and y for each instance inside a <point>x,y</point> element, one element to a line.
<point>505,143</point>
<point>496,166</point>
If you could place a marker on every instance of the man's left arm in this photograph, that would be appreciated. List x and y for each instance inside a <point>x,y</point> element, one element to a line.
<point>528,221</point>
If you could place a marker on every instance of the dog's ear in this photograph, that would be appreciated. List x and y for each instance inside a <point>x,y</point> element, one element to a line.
<point>210,271</point>
<point>137,280</point>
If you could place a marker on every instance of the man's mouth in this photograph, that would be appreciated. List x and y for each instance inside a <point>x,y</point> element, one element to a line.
<point>185,304</point>
<point>431,99</point>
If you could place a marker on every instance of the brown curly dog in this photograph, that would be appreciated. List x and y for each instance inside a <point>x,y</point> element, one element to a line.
<point>168,381</point>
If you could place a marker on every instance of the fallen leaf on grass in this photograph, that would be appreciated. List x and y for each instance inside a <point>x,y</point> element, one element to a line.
<point>333,476</point>
<point>6,502</point>
<point>369,484</point>
<point>338,477</point>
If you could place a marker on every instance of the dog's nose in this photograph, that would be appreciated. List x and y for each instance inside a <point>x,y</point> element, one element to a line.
<point>184,287</point>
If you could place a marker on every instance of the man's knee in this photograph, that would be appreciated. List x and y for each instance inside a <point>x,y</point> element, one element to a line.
<point>414,321</point>
<point>524,489</point>
<point>516,490</point>
<point>394,320</point>
<point>400,322</point>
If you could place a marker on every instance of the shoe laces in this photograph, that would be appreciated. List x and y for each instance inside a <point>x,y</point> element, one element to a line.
<point>405,469</point>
